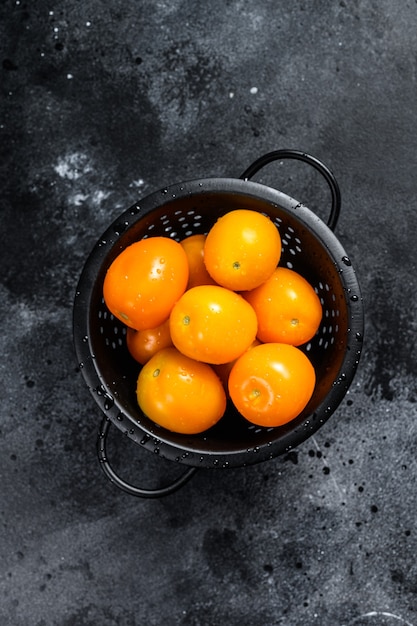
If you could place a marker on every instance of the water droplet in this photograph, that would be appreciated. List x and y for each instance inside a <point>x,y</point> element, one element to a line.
<point>85,338</point>
<point>120,227</point>
<point>108,402</point>
<point>346,260</point>
<point>354,298</point>
<point>359,336</point>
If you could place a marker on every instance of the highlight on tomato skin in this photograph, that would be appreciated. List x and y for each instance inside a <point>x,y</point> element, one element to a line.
<point>271,384</point>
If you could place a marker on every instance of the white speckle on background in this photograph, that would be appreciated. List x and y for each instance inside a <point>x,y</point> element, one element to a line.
<point>98,196</point>
<point>72,166</point>
<point>78,199</point>
<point>254,90</point>
<point>95,199</point>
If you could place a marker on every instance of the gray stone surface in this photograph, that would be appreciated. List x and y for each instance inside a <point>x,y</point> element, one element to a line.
<point>102,103</point>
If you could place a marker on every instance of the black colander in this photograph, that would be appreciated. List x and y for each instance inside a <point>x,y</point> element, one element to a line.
<point>309,247</point>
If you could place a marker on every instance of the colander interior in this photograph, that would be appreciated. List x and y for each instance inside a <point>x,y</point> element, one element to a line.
<point>309,248</point>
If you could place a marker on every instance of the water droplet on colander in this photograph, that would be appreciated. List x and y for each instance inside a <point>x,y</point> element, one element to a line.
<point>120,416</point>
<point>144,439</point>
<point>81,365</point>
<point>108,402</point>
<point>164,191</point>
<point>354,298</point>
<point>346,260</point>
<point>359,336</point>
<point>120,227</point>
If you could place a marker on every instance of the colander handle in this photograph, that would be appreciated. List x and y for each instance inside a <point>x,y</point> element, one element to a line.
<point>125,486</point>
<point>278,155</point>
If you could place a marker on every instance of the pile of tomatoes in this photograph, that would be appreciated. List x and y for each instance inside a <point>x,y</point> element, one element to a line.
<point>215,318</point>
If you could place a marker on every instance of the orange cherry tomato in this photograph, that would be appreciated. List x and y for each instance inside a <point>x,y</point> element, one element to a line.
<point>271,384</point>
<point>287,307</point>
<point>145,280</point>
<point>242,249</point>
<point>194,249</point>
<point>212,324</point>
<point>180,394</point>
<point>143,344</point>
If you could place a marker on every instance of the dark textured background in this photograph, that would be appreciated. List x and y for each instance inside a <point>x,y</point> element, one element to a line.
<point>103,102</point>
